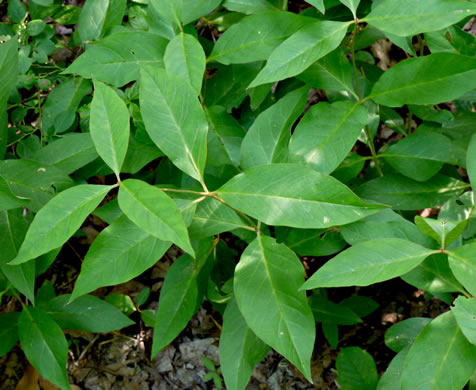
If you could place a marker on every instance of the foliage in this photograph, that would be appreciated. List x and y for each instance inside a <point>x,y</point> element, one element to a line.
<point>195,123</point>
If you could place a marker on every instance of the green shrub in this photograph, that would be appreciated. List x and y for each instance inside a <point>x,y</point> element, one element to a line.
<point>190,119</point>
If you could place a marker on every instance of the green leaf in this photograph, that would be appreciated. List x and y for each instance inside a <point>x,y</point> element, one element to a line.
<point>154,212</point>
<point>98,16</point>
<point>59,219</point>
<point>332,72</point>
<point>407,17</point>
<point>352,5</point>
<point>121,252</point>
<point>68,153</point>
<point>464,310</point>
<point>185,57</point>
<point>356,369</point>
<point>421,155</point>
<point>405,194</point>
<point>16,11</point>
<point>7,199</point>
<point>390,380</point>
<point>44,345</point>
<point>444,232</point>
<point>319,4</point>
<point>122,302</point>
<point>193,9</point>
<point>305,198</point>
<point>331,333</point>
<point>170,10</point>
<point>434,275</point>
<point>248,6</point>
<point>463,264</point>
<point>266,280</point>
<point>213,217</point>
<point>181,295</point>
<point>116,60</point>
<point>267,139</point>
<point>174,120</point>
<point>87,313</point>
<point>62,104</point>
<point>471,161</point>
<point>264,32</point>
<point>326,134</point>
<point>301,50</point>
<point>404,333</point>
<point>360,305</point>
<point>335,313</point>
<point>432,79</point>
<point>8,68</point>
<point>22,277</point>
<point>8,332</point>
<point>109,126</point>
<point>369,262</point>
<point>312,242</point>
<point>449,358</point>
<point>240,348</point>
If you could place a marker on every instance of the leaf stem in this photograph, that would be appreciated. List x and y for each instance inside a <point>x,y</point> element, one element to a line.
<point>243,215</point>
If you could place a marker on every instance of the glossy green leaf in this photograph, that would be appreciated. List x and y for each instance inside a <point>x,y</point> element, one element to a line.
<point>87,313</point>
<point>255,37</point>
<point>7,199</point>
<point>68,153</point>
<point>62,103</point>
<point>369,262</point>
<point>181,295</point>
<point>327,311</point>
<point>194,9</point>
<point>463,264</point>
<point>332,72</point>
<point>174,120</point>
<point>240,348</point>
<point>449,358</point>
<point>352,5</point>
<point>213,217</point>
<point>267,280</point>
<point>404,333</point>
<point>44,345</point>
<point>154,212</point>
<point>109,126</point>
<point>319,4</point>
<point>248,6</point>
<point>116,60</point>
<point>390,380</point>
<point>22,277</point>
<point>57,221</point>
<point>300,50</point>
<point>471,161</point>
<point>98,16</point>
<point>313,242</point>
<point>405,194</point>
<point>452,39</point>
<point>356,370</point>
<point>444,232</point>
<point>121,252</point>
<point>169,10</point>
<point>434,275</point>
<point>185,57</point>
<point>267,139</point>
<point>8,332</point>
<point>407,17</point>
<point>326,134</point>
<point>421,155</point>
<point>432,79</point>
<point>305,198</point>
<point>464,310</point>
<point>8,69</point>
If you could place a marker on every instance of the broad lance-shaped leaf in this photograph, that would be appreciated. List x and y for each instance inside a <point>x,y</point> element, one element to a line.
<point>326,134</point>
<point>44,345</point>
<point>109,126</point>
<point>352,5</point>
<point>294,195</point>
<point>404,333</point>
<point>464,311</point>
<point>449,359</point>
<point>369,262</point>
<point>267,139</point>
<point>117,58</point>
<point>240,348</point>
<point>319,4</point>
<point>121,252</point>
<point>193,9</point>
<point>185,57</point>
<point>255,37</point>
<point>410,17</point>
<point>356,369</point>
<point>59,219</point>
<point>390,380</point>
<point>301,50</point>
<point>181,295</point>
<point>174,119</point>
<point>267,280</point>
<point>471,161</point>
<point>7,199</point>
<point>98,16</point>
<point>463,264</point>
<point>432,79</point>
<point>154,212</point>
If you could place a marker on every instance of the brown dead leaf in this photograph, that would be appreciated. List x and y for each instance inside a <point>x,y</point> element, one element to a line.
<point>29,380</point>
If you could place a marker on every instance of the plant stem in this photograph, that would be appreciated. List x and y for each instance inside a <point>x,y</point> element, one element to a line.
<point>243,215</point>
